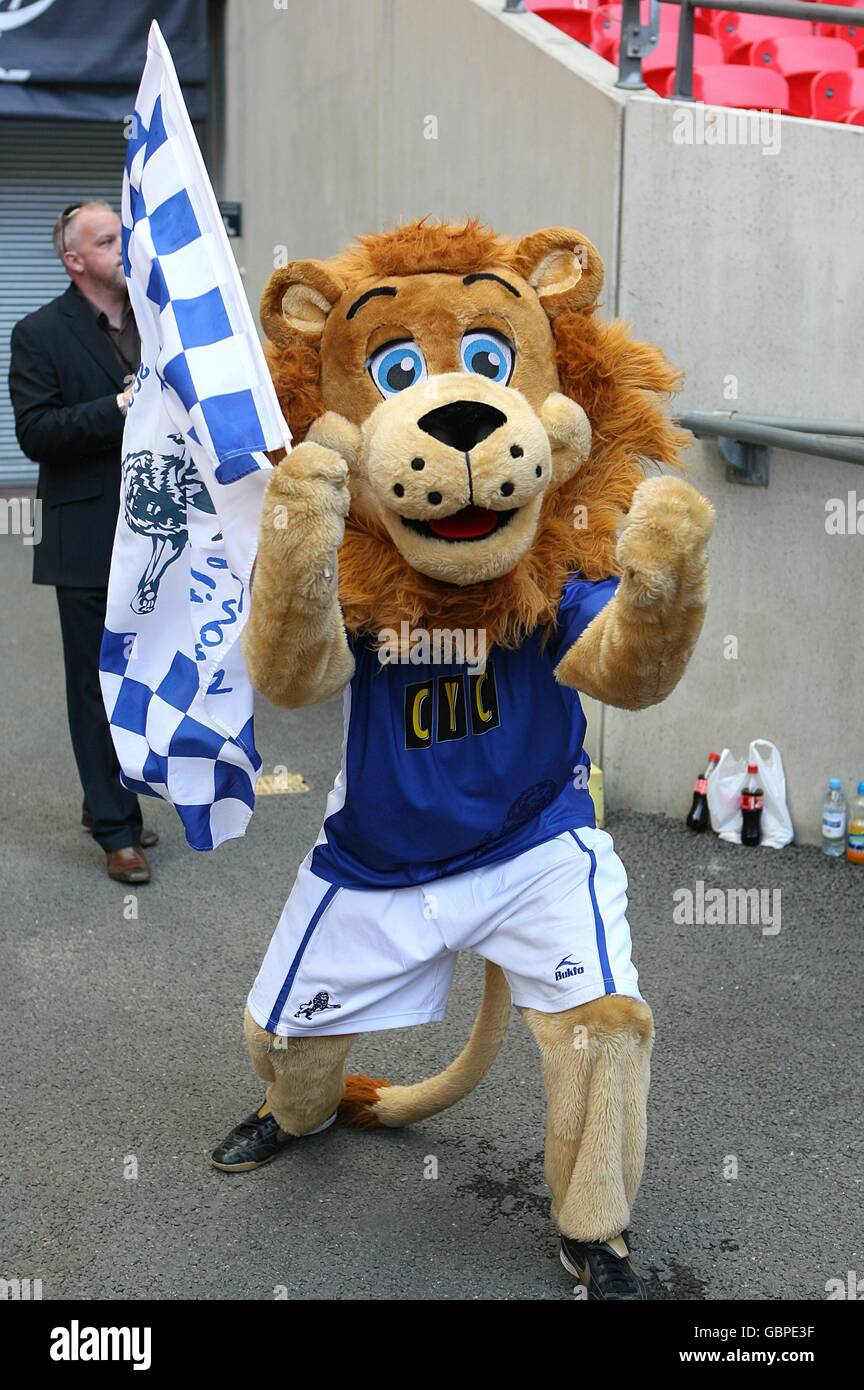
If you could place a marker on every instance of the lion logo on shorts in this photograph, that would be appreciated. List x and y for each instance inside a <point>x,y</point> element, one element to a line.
<point>317,1004</point>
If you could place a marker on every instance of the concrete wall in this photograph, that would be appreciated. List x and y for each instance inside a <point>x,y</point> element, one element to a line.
<point>744,266</point>
<point>328,107</point>
<point>787,591</point>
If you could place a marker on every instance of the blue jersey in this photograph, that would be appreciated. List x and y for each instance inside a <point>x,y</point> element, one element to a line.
<point>448,767</point>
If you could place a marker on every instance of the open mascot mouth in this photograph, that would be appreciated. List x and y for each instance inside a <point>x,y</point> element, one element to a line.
<point>469,524</point>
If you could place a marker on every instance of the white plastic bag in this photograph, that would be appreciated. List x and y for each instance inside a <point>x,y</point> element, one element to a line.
<point>777,828</point>
<point>724,795</point>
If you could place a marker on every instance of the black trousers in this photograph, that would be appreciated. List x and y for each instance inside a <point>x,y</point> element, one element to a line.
<point>115,811</point>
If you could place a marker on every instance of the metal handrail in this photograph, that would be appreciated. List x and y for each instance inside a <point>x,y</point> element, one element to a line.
<point>756,433</point>
<point>853,429</point>
<point>781,9</point>
<point>637,39</point>
<point>722,424</point>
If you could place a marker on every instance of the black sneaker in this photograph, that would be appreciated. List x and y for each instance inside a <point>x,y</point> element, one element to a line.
<point>255,1141</point>
<point>604,1267</point>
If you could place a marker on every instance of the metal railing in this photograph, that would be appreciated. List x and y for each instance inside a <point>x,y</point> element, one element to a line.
<point>638,39</point>
<point>745,440</point>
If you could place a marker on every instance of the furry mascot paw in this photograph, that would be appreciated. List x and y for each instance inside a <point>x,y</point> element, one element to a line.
<point>635,651</point>
<point>468,465</point>
<point>307,502</point>
<point>662,549</point>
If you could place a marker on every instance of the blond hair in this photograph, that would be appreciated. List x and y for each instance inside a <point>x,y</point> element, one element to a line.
<point>59,235</point>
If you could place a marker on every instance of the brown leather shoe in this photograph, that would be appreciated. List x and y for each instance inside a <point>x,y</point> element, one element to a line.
<point>128,865</point>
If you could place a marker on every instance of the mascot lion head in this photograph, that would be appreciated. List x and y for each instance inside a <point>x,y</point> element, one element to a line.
<point>495,429</point>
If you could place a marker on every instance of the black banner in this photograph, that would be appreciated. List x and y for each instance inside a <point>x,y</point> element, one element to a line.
<point>217,1343</point>
<point>83,59</point>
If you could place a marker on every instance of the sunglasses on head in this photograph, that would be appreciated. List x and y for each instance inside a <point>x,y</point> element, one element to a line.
<point>65,218</point>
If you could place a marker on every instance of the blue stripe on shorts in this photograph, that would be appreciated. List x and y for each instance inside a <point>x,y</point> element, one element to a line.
<point>599,929</point>
<point>325,902</point>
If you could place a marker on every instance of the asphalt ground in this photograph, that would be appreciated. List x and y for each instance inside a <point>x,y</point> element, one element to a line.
<point>122,1052</point>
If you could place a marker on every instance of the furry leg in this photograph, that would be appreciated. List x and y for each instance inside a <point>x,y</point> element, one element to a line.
<point>305,1076</point>
<point>596,1070</point>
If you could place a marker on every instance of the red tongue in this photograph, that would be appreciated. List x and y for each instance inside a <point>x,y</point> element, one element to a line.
<point>466,525</point>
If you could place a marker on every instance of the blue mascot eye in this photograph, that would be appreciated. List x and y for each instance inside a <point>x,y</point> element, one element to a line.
<point>396,366</point>
<point>487,354</point>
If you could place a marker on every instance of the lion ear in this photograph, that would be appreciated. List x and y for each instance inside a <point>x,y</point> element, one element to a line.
<point>563,267</point>
<point>296,301</point>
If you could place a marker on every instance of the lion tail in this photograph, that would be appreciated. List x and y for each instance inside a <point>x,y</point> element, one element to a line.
<point>370,1102</point>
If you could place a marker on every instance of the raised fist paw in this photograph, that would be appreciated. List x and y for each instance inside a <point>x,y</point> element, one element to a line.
<point>662,548</point>
<point>313,475</point>
<point>303,519</point>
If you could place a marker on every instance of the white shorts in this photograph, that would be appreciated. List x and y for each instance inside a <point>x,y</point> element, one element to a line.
<point>346,960</point>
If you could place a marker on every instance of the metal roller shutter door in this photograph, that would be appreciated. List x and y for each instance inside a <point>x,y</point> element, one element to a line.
<point>44,166</point>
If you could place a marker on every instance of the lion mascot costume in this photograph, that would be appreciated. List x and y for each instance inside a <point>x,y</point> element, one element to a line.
<point>474,442</point>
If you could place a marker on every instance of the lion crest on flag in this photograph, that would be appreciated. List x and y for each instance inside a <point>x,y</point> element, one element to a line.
<point>157,490</point>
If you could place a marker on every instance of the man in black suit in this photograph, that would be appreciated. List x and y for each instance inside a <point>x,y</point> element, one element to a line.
<point>70,379</point>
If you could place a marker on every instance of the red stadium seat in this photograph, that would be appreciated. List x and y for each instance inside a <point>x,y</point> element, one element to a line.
<point>657,67</point>
<point>835,94</point>
<point>605,29</point>
<point>749,61</point>
<point>798,60</point>
<point>573,18</point>
<point>750,89</point>
<point>855,117</point>
<point>703,20</point>
<point>606,25</point>
<point>850,32</point>
<point>736,32</point>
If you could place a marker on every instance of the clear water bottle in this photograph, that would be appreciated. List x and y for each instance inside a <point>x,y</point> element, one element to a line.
<point>835,814</point>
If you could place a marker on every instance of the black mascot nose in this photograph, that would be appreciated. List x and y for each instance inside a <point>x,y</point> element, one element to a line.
<point>462,424</point>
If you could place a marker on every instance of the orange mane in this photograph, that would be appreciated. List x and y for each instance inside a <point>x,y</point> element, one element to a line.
<point>619,383</point>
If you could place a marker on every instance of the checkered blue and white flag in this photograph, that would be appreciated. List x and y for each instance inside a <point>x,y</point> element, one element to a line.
<point>194,470</point>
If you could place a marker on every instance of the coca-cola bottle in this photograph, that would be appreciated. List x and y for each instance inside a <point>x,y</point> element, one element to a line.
<point>751,808</point>
<point>699,819</point>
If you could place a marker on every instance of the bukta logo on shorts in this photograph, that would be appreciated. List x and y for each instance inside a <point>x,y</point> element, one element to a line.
<point>317,1004</point>
<point>568,967</point>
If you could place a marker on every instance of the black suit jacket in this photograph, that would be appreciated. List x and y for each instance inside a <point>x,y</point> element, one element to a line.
<point>64,379</point>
